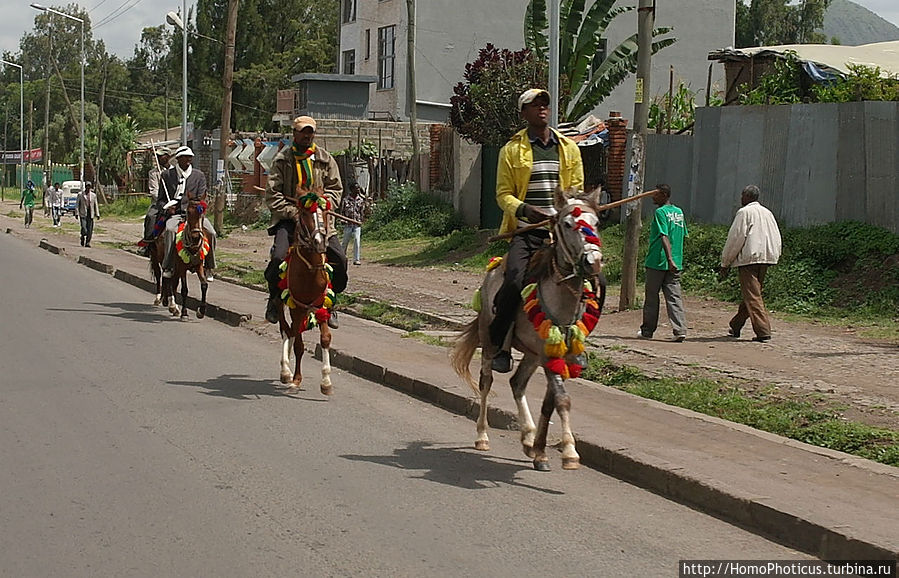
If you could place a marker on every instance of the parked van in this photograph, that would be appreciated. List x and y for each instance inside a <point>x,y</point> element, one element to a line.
<point>70,190</point>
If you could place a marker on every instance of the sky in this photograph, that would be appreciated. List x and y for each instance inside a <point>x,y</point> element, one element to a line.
<point>129,17</point>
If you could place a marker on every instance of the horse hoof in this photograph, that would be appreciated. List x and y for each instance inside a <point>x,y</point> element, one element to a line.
<point>184,318</point>
<point>482,445</point>
<point>571,463</point>
<point>285,378</point>
<point>529,451</point>
<point>326,389</point>
<point>541,465</point>
<point>157,302</point>
<point>201,314</point>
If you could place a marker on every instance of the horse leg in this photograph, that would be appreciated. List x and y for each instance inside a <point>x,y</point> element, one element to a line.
<point>201,309</point>
<point>286,348</point>
<point>570,459</point>
<point>519,383</point>
<point>170,286</point>
<point>485,382</point>
<point>297,381</point>
<point>541,462</point>
<point>183,281</point>
<point>157,277</point>
<point>326,358</point>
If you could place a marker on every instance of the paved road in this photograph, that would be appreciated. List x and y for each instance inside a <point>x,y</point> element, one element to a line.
<point>117,464</point>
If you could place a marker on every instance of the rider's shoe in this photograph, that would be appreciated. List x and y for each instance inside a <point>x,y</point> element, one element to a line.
<point>272,310</point>
<point>143,251</point>
<point>502,363</point>
<point>167,273</point>
<point>332,321</point>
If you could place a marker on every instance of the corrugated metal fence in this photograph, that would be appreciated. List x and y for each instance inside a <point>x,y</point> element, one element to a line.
<point>815,163</point>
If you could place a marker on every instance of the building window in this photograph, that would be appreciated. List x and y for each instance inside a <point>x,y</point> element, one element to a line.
<point>349,62</point>
<point>386,56</point>
<point>349,11</point>
<point>367,43</point>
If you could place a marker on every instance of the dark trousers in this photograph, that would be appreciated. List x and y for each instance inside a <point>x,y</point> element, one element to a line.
<point>150,222</point>
<point>283,232</point>
<point>87,229</point>
<point>752,307</point>
<point>508,298</point>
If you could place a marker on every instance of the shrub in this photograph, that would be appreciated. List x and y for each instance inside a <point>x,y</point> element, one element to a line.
<point>407,212</point>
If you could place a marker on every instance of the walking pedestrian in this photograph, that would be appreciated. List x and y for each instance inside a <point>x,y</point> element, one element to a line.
<point>535,161</point>
<point>353,206</point>
<point>88,211</point>
<point>27,202</point>
<point>753,244</point>
<point>54,200</point>
<point>664,263</point>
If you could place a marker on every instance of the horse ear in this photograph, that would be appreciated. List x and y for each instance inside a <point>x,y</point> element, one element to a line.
<point>592,197</point>
<point>560,198</point>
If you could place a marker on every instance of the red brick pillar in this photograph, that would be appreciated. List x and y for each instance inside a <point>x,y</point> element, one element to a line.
<point>617,155</point>
<point>257,168</point>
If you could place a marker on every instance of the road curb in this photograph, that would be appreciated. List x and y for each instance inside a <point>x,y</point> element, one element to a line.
<point>658,476</point>
<point>663,478</point>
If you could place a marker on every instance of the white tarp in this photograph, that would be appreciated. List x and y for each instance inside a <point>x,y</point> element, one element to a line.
<point>884,55</point>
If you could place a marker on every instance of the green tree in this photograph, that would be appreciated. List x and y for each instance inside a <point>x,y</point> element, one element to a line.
<point>588,73</point>
<point>776,22</point>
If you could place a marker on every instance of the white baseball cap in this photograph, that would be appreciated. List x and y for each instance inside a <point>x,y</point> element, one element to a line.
<point>184,151</point>
<point>529,95</point>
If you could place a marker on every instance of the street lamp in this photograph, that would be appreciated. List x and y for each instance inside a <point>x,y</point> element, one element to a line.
<point>21,120</point>
<point>175,20</point>
<point>43,8</point>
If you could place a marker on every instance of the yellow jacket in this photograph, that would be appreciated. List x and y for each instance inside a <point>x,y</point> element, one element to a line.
<point>514,172</point>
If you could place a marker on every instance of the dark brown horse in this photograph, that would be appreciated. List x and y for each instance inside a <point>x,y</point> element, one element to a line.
<point>191,248</point>
<point>558,311</point>
<point>157,254</point>
<point>305,280</point>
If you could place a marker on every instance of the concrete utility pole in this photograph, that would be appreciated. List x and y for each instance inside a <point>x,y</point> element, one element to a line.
<point>225,133</point>
<point>47,77</point>
<point>645,23</point>
<point>411,92</point>
<point>554,10</point>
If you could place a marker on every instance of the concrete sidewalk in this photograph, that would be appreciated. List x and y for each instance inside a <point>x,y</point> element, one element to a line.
<point>829,504</point>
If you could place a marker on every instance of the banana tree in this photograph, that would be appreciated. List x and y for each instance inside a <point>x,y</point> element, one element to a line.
<point>583,82</point>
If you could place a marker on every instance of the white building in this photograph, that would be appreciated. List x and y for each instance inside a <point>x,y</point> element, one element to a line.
<point>449,34</point>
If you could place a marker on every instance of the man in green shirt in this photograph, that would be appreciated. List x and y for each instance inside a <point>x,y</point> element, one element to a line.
<point>28,201</point>
<point>664,263</point>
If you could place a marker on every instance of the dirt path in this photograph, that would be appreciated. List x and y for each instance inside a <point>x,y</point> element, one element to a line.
<point>803,360</point>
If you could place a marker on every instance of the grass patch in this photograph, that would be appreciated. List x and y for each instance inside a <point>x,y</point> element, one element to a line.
<point>126,207</point>
<point>800,420</point>
<point>436,340</point>
<point>381,312</point>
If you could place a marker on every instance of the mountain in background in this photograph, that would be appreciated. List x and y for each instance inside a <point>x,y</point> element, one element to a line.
<point>853,25</point>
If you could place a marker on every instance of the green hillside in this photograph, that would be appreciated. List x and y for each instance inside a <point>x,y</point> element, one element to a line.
<point>853,24</point>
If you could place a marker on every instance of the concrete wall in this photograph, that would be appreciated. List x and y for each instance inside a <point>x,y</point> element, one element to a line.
<point>814,163</point>
<point>451,32</point>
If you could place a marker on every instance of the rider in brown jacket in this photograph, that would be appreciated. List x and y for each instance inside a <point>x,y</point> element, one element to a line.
<point>287,179</point>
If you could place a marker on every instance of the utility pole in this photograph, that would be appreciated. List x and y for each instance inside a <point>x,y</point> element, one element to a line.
<point>410,85</point>
<point>225,133</point>
<point>645,23</point>
<point>46,140</point>
<point>554,100</point>
<point>97,186</point>
<point>30,136</point>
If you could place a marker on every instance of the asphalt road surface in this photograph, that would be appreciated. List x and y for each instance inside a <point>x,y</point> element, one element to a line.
<point>132,444</point>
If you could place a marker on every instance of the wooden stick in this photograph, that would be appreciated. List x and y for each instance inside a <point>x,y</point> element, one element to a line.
<point>606,207</point>
<point>332,213</point>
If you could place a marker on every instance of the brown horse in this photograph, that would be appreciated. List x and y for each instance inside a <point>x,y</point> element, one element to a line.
<point>157,254</point>
<point>559,309</point>
<point>191,247</point>
<point>306,295</point>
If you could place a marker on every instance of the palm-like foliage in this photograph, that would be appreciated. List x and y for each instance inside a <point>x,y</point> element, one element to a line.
<point>583,83</point>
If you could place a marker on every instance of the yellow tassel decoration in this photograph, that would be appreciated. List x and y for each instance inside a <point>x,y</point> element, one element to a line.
<point>494,263</point>
<point>555,349</point>
<point>476,300</point>
<point>577,347</point>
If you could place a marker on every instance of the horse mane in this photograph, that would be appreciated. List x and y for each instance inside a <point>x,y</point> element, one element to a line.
<point>540,264</point>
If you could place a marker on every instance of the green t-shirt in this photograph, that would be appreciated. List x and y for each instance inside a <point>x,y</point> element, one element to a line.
<point>668,220</point>
<point>28,198</point>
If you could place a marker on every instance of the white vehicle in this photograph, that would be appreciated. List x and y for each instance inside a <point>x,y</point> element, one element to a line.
<point>70,190</point>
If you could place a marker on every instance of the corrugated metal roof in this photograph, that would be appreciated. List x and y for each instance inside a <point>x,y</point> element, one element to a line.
<point>884,55</point>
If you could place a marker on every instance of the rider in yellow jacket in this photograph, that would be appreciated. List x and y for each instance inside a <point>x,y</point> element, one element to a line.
<point>531,165</point>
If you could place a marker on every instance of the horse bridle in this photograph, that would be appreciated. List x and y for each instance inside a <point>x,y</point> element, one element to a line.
<point>575,263</point>
<point>304,237</point>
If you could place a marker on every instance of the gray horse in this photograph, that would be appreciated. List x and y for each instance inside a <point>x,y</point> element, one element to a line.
<point>561,272</point>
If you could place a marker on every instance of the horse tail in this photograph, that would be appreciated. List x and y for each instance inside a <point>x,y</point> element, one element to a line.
<point>463,351</point>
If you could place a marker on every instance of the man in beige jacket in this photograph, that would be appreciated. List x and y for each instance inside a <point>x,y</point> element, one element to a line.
<point>296,169</point>
<point>753,243</point>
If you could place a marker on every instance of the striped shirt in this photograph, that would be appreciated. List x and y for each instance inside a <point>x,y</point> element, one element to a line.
<point>544,174</point>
